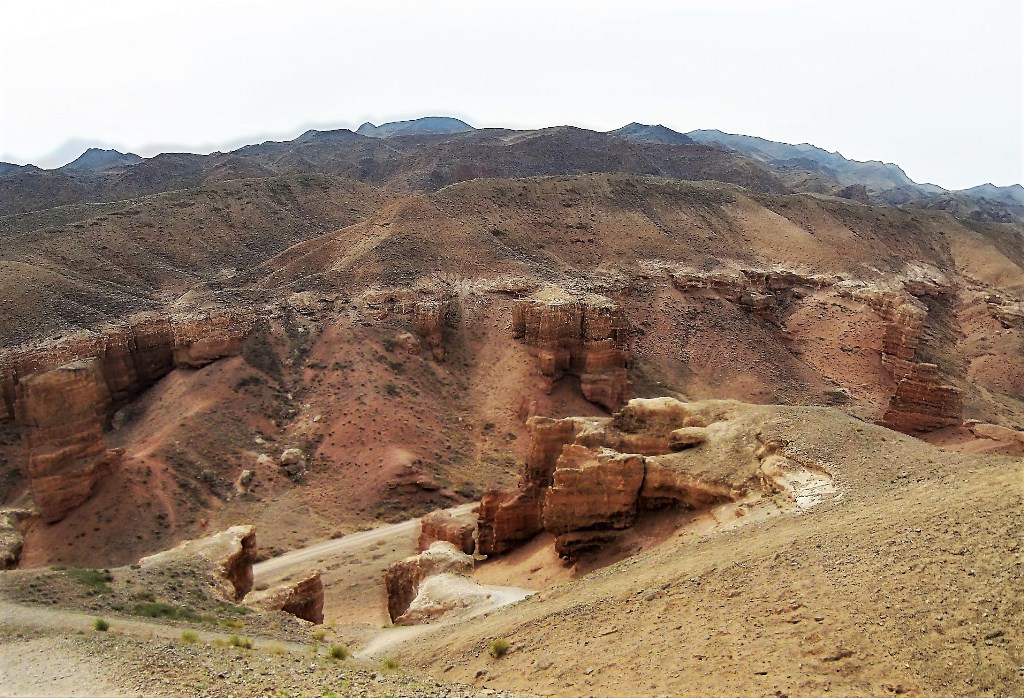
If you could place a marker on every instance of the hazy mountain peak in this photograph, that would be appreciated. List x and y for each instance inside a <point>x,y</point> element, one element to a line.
<point>99,159</point>
<point>647,133</point>
<point>415,127</point>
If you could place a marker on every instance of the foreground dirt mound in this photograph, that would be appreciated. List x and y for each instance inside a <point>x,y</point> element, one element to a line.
<point>905,583</point>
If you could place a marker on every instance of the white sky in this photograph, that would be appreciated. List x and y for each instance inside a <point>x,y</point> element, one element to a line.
<point>932,85</point>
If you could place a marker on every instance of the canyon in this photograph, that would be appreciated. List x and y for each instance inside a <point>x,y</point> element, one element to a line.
<point>556,388</point>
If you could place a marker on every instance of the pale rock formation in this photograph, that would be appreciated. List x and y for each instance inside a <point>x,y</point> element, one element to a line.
<point>230,554</point>
<point>403,578</point>
<point>11,538</point>
<point>303,598</point>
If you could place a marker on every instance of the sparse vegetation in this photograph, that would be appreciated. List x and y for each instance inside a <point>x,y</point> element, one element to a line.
<point>319,635</point>
<point>96,581</point>
<point>391,390</point>
<point>499,648</point>
<point>101,625</point>
<point>241,642</point>
<point>339,652</point>
<point>157,609</point>
<point>389,664</point>
<point>189,637</point>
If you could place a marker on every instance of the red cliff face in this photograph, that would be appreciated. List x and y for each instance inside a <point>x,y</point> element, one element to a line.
<point>63,393</point>
<point>442,526</point>
<point>922,403</point>
<point>584,336</point>
<point>63,411</point>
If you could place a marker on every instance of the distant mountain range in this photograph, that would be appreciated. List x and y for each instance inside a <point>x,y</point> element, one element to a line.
<point>431,152</point>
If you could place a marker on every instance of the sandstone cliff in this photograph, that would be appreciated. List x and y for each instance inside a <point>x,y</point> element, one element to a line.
<point>63,412</point>
<point>586,336</point>
<point>654,453</point>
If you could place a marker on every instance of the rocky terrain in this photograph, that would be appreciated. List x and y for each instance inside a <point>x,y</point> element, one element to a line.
<point>652,358</point>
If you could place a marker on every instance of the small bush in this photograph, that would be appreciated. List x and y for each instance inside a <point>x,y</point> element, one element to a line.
<point>499,648</point>
<point>319,635</point>
<point>389,664</point>
<point>391,389</point>
<point>189,637</point>
<point>101,625</point>
<point>157,609</point>
<point>233,624</point>
<point>389,344</point>
<point>241,642</point>
<point>338,652</point>
<point>96,581</point>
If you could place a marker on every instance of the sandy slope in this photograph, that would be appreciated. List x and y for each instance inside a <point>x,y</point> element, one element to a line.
<point>909,583</point>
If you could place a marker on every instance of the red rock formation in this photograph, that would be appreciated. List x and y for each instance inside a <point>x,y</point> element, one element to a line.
<point>63,412</point>
<point>430,317</point>
<point>590,477</point>
<point>440,525</point>
<point>592,492</point>
<point>583,336</point>
<point>507,518</point>
<point>230,554</point>
<point>923,403</point>
<point>303,598</point>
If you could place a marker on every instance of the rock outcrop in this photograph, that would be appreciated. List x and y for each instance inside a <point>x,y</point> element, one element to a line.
<point>923,403</point>
<point>11,538</point>
<point>586,479</point>
<point>303,598</point>
<point>130,356</point>
<point>430,318</point>
<point>230,554</point>
<point>586,336</point>
<point>62,411</point>
<point>442,526</point>
<point>402,579</point>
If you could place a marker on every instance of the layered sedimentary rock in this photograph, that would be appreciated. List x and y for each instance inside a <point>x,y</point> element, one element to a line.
<point>588,478</point>
<point>63,394</point>
<point>303,598</point>
<point>230,554</point>
<point>402,579</point>
<point>586,336</point>
<point>905,317</point>
<point>442,526</point>
<point>592,491</point>
<point>430,318</point>
<point>131,356</point>
<point>923,403</point>
<point>63,411</point>
<point>508,518</point>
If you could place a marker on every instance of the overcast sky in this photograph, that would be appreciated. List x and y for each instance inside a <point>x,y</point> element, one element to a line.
<point>932,85</point>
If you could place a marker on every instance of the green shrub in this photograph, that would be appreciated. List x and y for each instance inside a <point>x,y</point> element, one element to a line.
<point>189,637</point>
<point>389,664</point>
<point>391,389</point>
<point>319,635</point>
<point>338,652</point>
<point>158,609</point>
<point>101,625</point>
<point>242,642</point>
<point>499,648</point>
<point>96,581</point>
